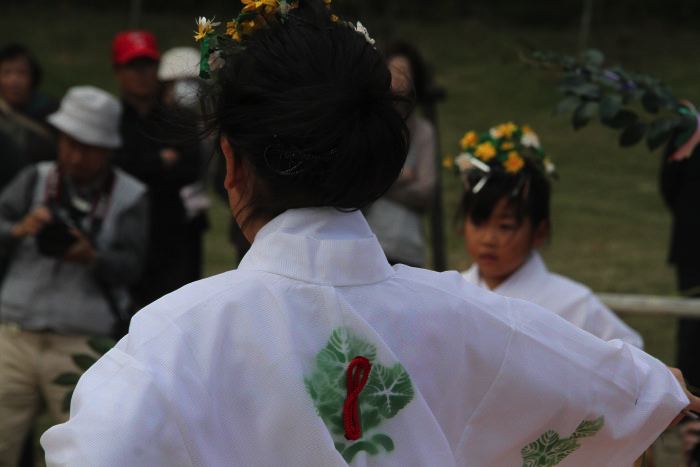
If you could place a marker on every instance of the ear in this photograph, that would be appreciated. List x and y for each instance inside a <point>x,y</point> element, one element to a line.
<point>541,234</point>
<point>234,169</point>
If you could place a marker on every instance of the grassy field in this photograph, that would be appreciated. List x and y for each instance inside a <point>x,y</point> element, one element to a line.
<point>610,227</point>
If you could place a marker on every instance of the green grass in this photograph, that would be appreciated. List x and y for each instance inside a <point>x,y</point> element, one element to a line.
<point>610,227</point>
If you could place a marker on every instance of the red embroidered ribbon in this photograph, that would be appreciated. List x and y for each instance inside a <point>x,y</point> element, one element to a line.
<point>357,374</point>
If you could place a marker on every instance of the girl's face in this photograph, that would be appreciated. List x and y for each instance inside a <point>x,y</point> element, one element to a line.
<point>501,244</point>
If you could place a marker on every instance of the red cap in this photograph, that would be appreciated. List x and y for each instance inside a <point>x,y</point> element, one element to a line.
<point>129,45</point>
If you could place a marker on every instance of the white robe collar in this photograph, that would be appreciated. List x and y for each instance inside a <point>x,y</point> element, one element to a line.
<point>319,245</point>
<point>520,283</point>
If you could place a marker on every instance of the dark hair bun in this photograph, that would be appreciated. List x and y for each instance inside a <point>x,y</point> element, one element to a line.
<point>308,103</point>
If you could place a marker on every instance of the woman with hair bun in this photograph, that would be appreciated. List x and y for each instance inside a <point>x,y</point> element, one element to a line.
<point>315,351</point>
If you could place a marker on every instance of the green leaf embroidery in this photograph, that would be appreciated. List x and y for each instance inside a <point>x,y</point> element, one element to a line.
<point>388,390</point>
<point>384,441</point>
<point>550,449</point>
<point>588,428</point>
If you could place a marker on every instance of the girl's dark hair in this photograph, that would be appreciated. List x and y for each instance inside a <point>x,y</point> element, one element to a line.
<point>419,70</point>
<point>527,192</point>
<point>308,106</point>
<point>14,51</point>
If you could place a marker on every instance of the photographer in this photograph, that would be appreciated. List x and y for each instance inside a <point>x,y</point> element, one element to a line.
<point>76,233</point>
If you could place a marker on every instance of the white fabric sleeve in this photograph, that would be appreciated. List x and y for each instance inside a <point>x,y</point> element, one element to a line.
<point>601,321</point>
<point>556,376</point>
<point>118,418</point>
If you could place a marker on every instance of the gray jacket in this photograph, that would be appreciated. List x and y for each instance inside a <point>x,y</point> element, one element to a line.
<point>397,218</point>
<point>43,293</point>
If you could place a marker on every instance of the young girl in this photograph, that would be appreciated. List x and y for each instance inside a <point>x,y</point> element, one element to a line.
<point>316,352</point>
<point>505,213</point>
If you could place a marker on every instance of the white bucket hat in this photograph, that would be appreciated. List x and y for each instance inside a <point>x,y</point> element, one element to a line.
<point>179,63</point>
<point>90,116</point>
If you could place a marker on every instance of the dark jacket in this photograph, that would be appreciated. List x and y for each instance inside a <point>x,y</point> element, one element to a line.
<point>680,187</point>
<point>143,139</point>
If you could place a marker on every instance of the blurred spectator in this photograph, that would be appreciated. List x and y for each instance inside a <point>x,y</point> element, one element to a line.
<point>77,233</point>
<point>166,167</point>
<point>179,75</point>
<point>680,187</point>
<point>23,111</point>
<point>396,219</point>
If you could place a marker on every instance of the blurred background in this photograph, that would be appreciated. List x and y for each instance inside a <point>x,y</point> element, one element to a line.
<point>611,229</point>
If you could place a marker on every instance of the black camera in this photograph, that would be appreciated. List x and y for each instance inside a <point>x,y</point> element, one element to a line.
<point>55,239</point>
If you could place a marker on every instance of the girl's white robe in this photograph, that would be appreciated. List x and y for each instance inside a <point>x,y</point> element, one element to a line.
<point>214,373</point>
<point>572,301</point>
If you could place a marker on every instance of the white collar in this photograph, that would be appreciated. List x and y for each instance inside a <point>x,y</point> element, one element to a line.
<point>524,281</point>
<point>520,282</point>
<point>319,245</point>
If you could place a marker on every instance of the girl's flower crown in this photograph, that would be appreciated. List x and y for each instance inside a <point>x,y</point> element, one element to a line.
<point>255,15</point>
<point>505,148</point>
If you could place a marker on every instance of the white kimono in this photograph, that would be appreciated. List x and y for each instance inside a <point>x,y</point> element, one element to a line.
<point>248,368</point>
<point>572,301</point>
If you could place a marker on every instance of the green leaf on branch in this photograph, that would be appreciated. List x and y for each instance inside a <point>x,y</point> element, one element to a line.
<point>584,113</point>
<point>651,102</point>
<point>65,406</point>
<point>568,104</point>
<point>633,134</point>
<point>593,57</point>
<point>624,118</point>
<point>84,361</point>
<point>586,90</point>
<point>610,105</point>
<point>660,131</point>
<point>67,379</point>
<point>101,345</point>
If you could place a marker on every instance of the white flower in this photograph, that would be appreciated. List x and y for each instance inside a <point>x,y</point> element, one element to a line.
<point>549,166</point>
<point>464,162</point>
<point>530,140</point>
<point>495,133</point>
<point>363,30</point>
<point>216,61</point>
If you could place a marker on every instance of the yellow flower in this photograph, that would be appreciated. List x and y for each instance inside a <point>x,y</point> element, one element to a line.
<point>507,146</point>
<point>252,25</point>
<point>335,18</point>
<point>527,129</point>
<point>232,31</point>
<point>468,140</point>
<point>447,162</point>
<point>204,28</point>
<point>507,129</point>
<point>514,162</point>
<point>485,151</point>
<point>327,3</point>
<point>269,6</point>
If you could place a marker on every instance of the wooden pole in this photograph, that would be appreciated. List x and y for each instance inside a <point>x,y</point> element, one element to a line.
<point>585,32</point>
<point>437,227</point>
<point>135,14</point>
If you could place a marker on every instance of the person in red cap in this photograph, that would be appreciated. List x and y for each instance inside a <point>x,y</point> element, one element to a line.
<point>164,167</point>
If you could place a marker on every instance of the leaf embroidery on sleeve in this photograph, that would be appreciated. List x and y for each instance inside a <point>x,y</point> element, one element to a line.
<point>388,390</point>
<point>549,449</point>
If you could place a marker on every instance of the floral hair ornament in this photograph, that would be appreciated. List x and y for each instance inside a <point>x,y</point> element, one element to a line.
<point>504,148</point>
<point>255,15</point>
